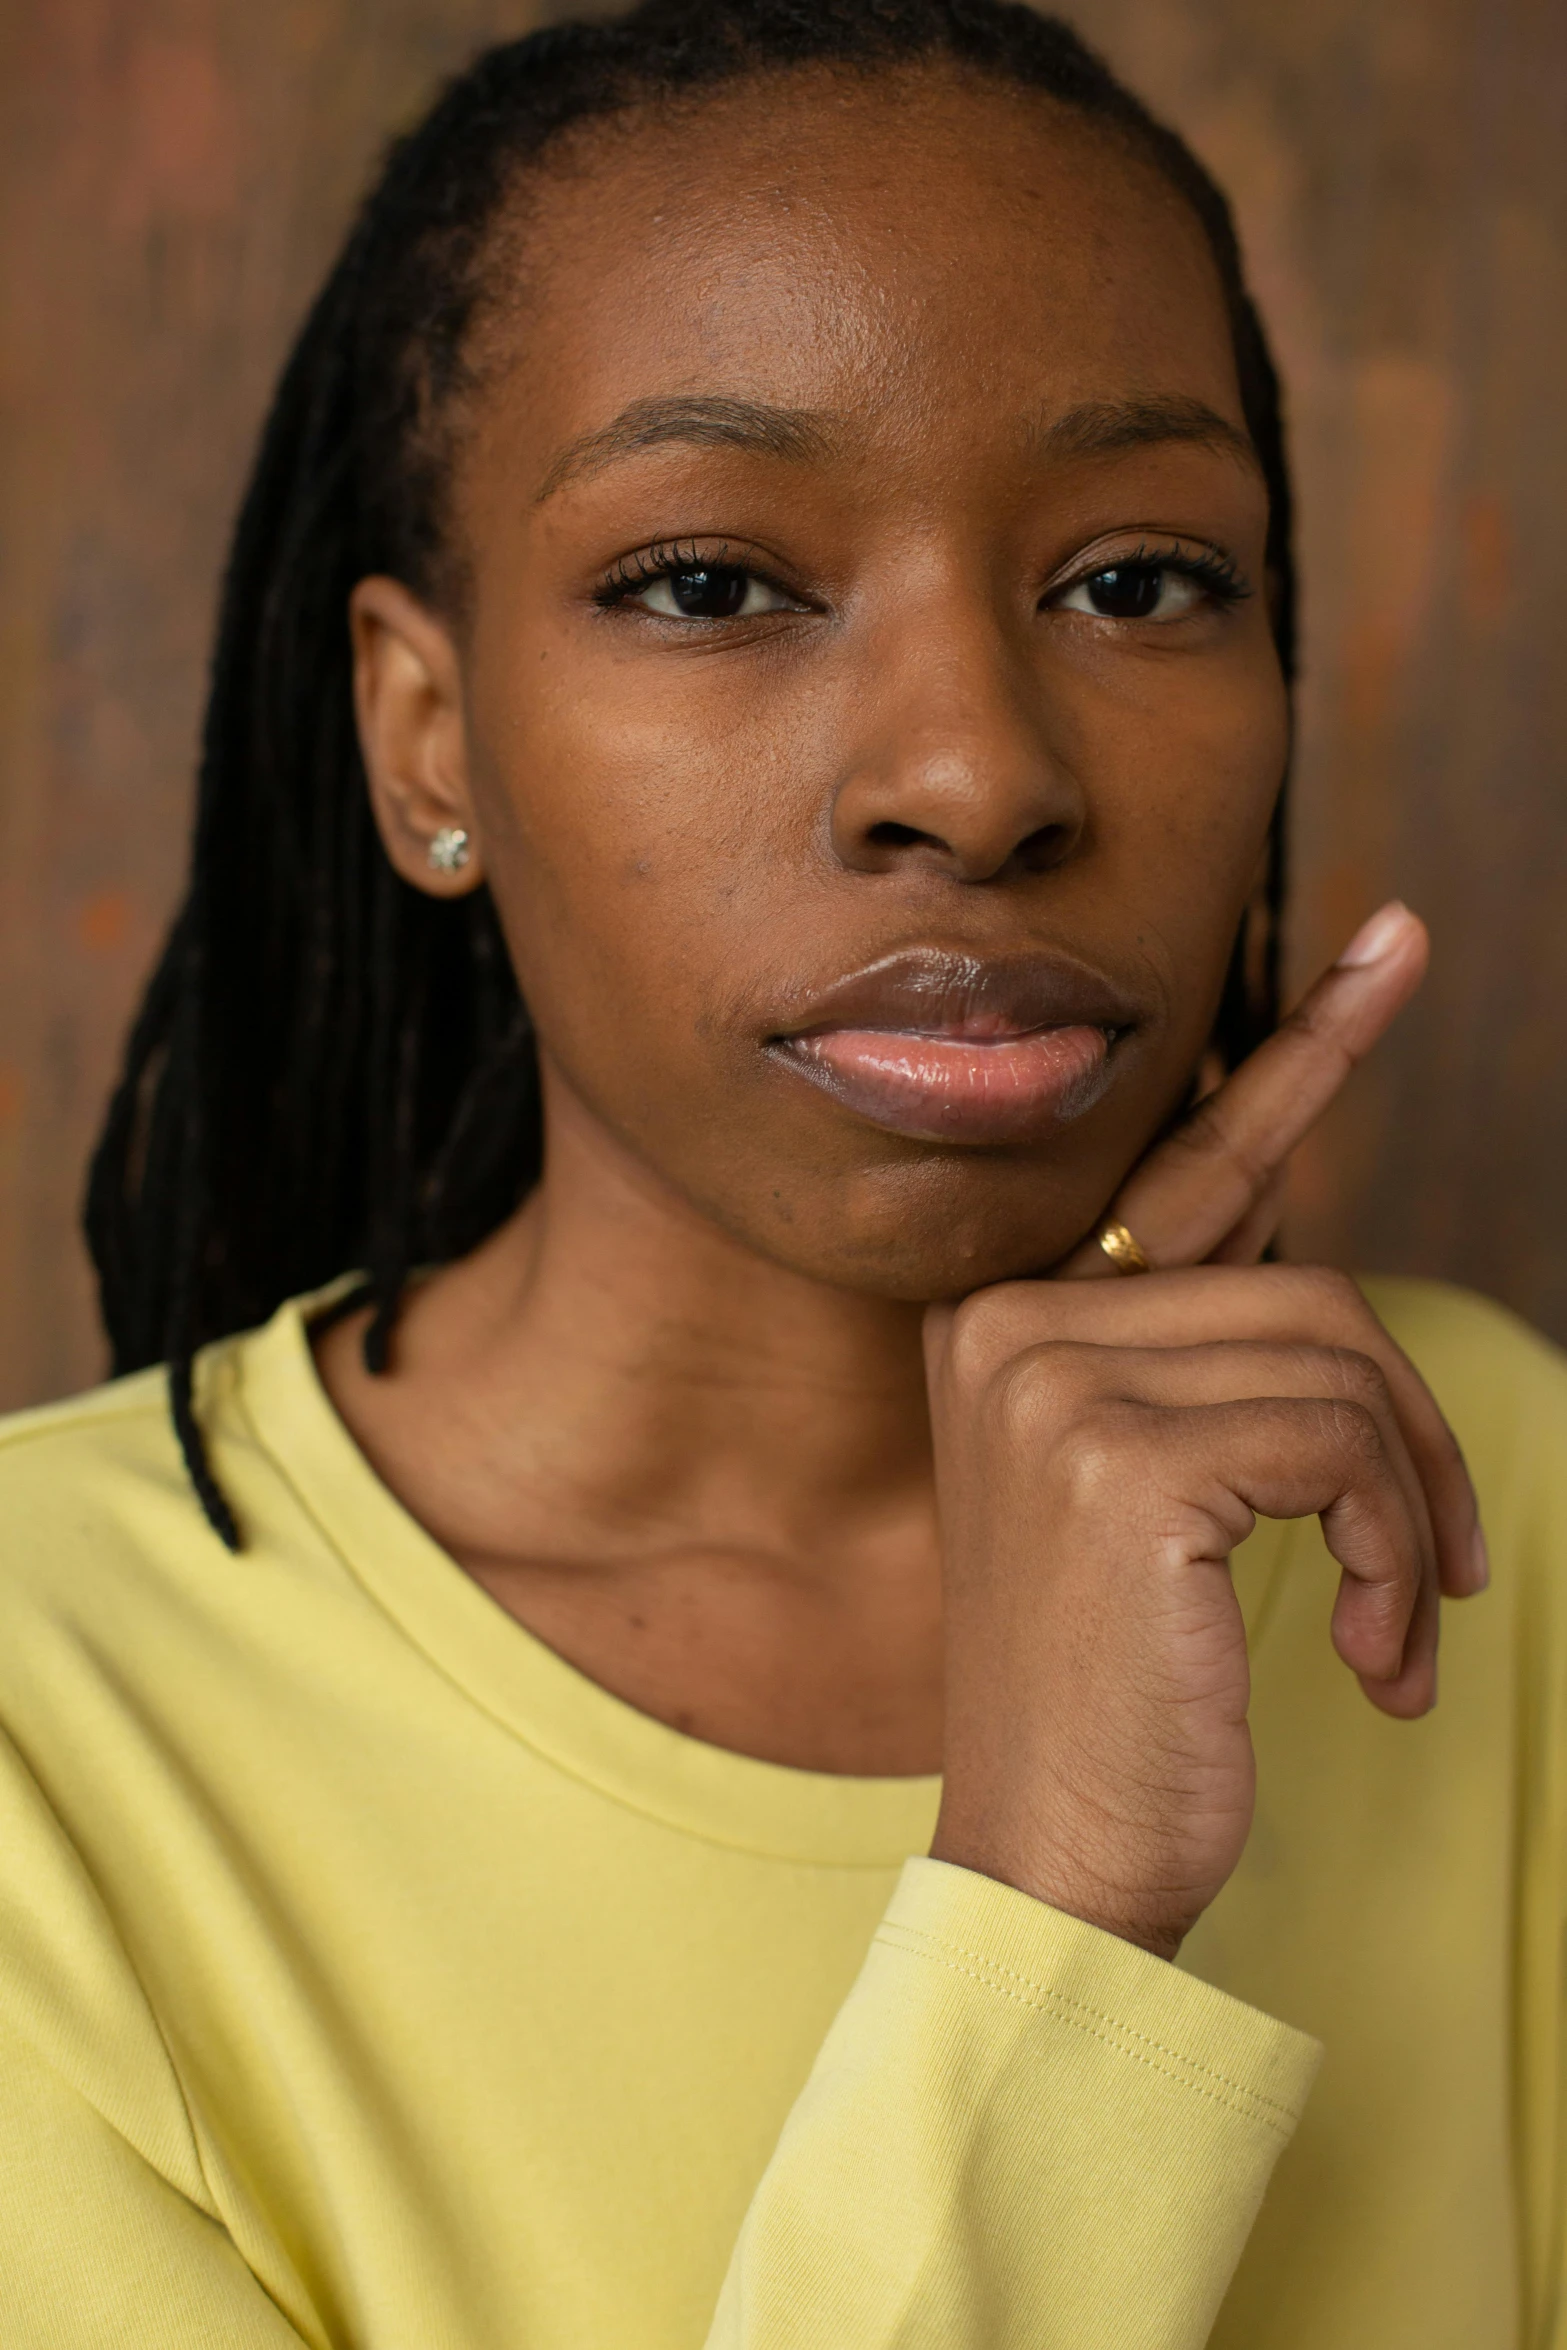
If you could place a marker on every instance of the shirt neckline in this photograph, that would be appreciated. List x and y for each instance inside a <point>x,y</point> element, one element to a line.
<point>768,1809</point>
<point>707,1791</point>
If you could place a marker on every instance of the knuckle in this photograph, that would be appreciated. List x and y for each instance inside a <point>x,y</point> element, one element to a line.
<point>1322,1295</point>
<point>1315,1020</point>
<point>1039,1389</point>
<point>1353,1430</point>
<point>1333,1287</point>
<point>1360,1378</point>
<point>1090,1461</point>
<point>1207,1134</point>
<point>980,1339</point>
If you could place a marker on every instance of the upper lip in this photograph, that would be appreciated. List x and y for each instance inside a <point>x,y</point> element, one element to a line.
<point>938,991</point>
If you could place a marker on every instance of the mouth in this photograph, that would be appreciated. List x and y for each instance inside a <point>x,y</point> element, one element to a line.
<point>954,1048</point>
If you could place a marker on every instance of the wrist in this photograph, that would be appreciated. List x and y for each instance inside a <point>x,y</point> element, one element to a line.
<point>1071,1891</point>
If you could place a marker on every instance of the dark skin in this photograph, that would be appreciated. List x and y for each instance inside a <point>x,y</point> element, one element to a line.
<point>758,1412</point>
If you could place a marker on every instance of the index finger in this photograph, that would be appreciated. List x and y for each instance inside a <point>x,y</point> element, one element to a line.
<point>1199,1183</point>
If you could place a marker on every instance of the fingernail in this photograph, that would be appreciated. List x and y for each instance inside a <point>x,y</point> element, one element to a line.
<point>1482,1562</point>
<point>1374,938</point>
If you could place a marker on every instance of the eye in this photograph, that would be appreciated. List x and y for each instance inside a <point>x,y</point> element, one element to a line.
<point>1134,591</point>
<point>710,591</point>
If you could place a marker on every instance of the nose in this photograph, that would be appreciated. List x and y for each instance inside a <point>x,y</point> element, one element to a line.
<point>953,768</point>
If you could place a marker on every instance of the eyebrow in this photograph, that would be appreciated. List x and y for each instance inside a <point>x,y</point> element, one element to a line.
<point>712,423</point>
<point>1095,428</point>
<point>1101,428</point>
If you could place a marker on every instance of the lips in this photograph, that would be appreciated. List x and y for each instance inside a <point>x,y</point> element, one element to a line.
<point>954,1048</point>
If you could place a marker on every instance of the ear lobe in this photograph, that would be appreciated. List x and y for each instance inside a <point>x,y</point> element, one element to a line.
<point>409,707</point>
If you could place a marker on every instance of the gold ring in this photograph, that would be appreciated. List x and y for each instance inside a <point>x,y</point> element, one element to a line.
<point>1122,1249</point>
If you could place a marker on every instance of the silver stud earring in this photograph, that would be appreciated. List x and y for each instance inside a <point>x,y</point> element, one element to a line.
<point>449,852</point>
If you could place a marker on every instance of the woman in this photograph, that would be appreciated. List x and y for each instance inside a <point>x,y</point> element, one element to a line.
<point>772,553</point>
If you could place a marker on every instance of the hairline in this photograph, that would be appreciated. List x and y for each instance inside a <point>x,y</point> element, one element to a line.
<point>1137,137</point>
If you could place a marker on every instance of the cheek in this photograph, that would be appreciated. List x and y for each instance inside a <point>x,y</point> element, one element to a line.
<point>1188,769</point>
<point>641,845</point>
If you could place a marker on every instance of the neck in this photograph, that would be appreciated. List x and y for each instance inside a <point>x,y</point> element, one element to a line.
<point>703,1479</point>
<point>611,1354</point>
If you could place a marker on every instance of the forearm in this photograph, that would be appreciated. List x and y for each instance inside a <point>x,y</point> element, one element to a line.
<point>1021,2134</point>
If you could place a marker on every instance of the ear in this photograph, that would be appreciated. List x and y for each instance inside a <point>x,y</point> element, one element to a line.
<point>408,702</point>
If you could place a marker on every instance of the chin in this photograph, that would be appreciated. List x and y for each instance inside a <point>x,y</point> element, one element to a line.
<point>919,1241</point>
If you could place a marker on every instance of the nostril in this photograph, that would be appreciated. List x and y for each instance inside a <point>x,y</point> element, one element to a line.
<point>896,836</point>
<point>973,852</point>
<point>1042,849</point>
<point>1036,852</point>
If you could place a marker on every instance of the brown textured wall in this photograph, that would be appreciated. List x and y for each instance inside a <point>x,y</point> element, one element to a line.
<point>174,176</point>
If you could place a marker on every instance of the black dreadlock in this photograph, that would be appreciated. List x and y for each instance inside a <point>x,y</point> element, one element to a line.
<point>331,1068</point>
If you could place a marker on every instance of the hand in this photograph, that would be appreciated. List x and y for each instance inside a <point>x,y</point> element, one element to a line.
<point>1211,1191</point>
<point>1101,1448</point>
<point>1100,1451</point>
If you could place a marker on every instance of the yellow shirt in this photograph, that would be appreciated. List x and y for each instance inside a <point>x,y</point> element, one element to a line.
<point>368,1977</point>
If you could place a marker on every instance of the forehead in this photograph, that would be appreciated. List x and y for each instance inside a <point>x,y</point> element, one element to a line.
<point>915,250</point>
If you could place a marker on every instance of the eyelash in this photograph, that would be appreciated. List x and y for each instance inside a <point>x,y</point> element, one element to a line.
<point>1218,574</point>
<point>632,573</point>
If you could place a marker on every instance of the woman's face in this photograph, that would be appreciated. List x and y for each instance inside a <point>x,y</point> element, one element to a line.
<point>868,751</point>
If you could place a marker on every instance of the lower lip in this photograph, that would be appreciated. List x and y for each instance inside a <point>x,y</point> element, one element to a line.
<point>953,1088</point>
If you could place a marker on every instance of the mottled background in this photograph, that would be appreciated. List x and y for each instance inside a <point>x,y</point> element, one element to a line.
<point>175,175</point>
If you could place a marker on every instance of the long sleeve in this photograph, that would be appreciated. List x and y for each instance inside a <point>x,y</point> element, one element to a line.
<point>98,2250</point>
<point>109,2235</point>
<point>1021,2134</point>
